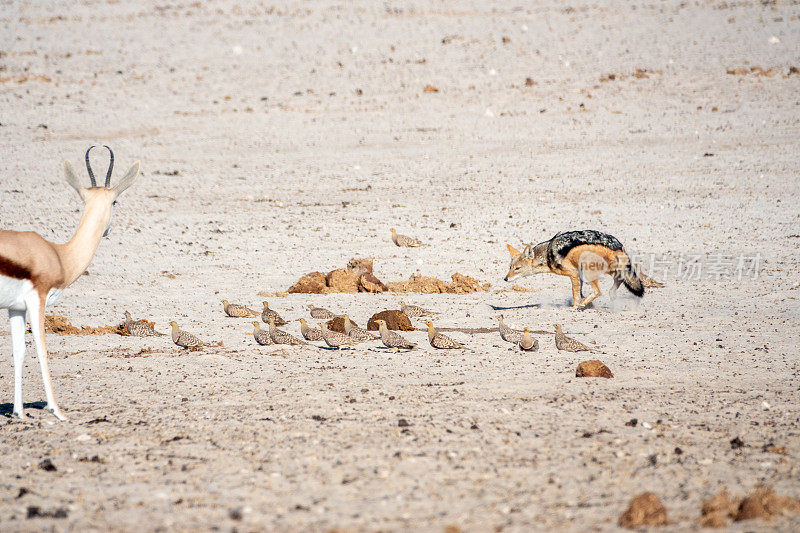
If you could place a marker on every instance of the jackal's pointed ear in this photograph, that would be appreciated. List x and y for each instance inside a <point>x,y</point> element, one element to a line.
<point>527,253</point>
<point>72,178</point>
<point>513,251</point>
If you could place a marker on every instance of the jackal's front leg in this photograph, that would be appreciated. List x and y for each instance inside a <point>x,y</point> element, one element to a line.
<point>595,293</point>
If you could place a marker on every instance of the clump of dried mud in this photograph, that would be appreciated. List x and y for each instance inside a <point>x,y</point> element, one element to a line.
<point>61,326</point>
<point>593,369</point>
<point>644,510</point>
<point>394,320</point>
<point>762,503</point>
<point>359,277</point>
<point>460,284</point>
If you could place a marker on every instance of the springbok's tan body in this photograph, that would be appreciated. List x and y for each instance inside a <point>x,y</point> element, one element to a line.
<point>34,271</point>
<point>581,256</point>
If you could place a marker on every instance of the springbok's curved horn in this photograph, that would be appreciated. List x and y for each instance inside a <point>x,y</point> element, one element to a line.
<point>89,167</point>
<point>110,166</point>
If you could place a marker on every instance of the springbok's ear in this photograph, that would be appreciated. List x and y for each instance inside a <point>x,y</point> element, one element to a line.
<point>72,178</point>
<point>126,180</point>
<point>527,253</point>
<point>513,251</point>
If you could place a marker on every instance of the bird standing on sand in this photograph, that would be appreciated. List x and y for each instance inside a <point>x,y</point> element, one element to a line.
<point>281,337</point>
<point>414,310</point>
<point>404,241</point>
<point>320,313</point>
<point>184,339</point>
<point>352,330</point>
<point>568,344</point>
<point>334,339</point>
<point>138,328</point>
<point>237,310</point>
<point>514,336</point>
<point>528,343</point>
<point>268,314</point>
<point>309,334</point>
<point>261,336</point>
<point>393,340</point>
<point>440,340</point>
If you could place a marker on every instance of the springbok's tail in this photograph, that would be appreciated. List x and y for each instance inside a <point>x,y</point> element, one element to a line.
<point>630,277</point>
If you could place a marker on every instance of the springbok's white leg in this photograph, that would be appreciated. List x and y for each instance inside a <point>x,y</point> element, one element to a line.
<point>36,317</point>
<point>17,320</point>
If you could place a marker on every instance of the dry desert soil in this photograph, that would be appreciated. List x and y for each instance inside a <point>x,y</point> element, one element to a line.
<point>280,139</point>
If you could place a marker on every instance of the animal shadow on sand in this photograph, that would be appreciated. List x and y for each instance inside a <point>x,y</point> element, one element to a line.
<point>7,409</point>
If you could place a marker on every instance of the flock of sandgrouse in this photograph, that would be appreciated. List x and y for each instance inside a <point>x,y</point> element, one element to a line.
<point>353,333</point>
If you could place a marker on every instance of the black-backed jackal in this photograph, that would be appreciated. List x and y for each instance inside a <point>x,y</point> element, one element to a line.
<point>582,256</point>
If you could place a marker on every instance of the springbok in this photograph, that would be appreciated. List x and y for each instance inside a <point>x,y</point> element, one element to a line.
<point>34,272</point>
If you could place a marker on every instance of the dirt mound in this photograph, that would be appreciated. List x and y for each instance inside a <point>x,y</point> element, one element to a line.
<point>764,503</point>
<point>367,282</point>
<point>359,266</point>
<point>717,510</point>
<point>337,324</point>
<point>341,280</point>
<point>312,283</point>
<point>60,326</point>
<point>394,320</point>
<point>461,284</point>
<point>593,369</point>
<point>644,510</point>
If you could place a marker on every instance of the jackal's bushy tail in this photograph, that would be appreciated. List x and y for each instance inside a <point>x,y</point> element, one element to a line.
<point>630,277</point>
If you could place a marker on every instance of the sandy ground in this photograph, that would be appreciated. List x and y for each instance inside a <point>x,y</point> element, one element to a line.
<point>297,135</point>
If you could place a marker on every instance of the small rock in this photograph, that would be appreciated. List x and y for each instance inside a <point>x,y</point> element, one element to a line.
<point>716,510</point>
<point>430,89</point>
<point>403,423</point>
<point>644,510</point>
<point>736,443</point>
<point>342,280</point>
<point>632,422</point>
<point>593,369</point>
<point>47,465</point>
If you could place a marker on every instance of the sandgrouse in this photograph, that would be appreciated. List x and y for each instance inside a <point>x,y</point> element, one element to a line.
<point>514,336</point>
<point>320,313</point>
<point>184,339</point>
<point>334,339</point>
<point>404,241</point>
<point>352,330</point>
<point>138,328</point>
<point>238,310</point>
<point>528,343</point>
<point>391,339</point>
<point>309,334</point>
<point>568,344</point>
<point>268,314</point>
<point>260,335</point>
<point>281,337</point>
<point>440,340</point>
<point>414,310</point>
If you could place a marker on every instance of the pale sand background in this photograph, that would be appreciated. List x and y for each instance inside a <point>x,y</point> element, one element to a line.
<point>257,109</point>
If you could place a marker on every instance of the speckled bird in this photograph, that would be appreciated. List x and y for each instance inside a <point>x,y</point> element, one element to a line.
<point>238,310</point>
<point>334,339</point>
<point>138,328</point>
<point>568,344</point>
<point>309,333</point>
<point>281,337</point>
<point>356,332</point>
<point>508,334</point>
<point>440,340</point>
<point>261,336</point>
<point>528,343</point>
<point>393,340</point>
<point>320,313</point>
<point>404,241</point>
<point>268,314</point>
<point>414,310</point>
<point>184,339</point>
